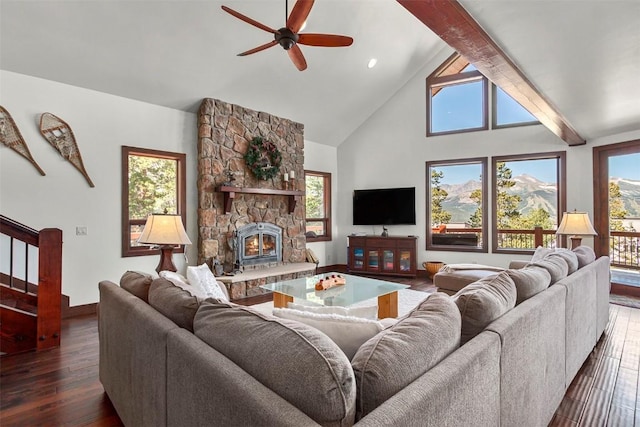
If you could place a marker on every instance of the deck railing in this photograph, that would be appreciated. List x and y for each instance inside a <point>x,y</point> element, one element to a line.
<point>31,312</point>
<point>515,239</point>
<point>624,249</point>
<point>526,239</point>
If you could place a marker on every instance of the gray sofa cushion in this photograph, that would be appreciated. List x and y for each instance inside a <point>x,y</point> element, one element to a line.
<point>174,302</point>
<point>585,255</point>
<point>529,281</point>
<point>296,361</point>
<point>540,253</point>
<point>452,281</point>
<point>484,301</point>
<point>555,265</point>
<point>569,256</point>
<point>136,284</point>
<point>397,356</point>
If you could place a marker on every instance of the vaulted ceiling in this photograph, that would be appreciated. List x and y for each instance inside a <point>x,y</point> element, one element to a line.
<point>584,56</point>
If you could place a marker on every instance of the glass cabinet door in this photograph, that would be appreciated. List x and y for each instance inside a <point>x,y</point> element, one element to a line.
<point>358,258</point>
<point>373,261</point>
<point>388,260</point>
<point>405,261</point>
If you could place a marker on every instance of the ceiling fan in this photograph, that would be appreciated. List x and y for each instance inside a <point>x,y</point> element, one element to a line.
<point>288,36</point>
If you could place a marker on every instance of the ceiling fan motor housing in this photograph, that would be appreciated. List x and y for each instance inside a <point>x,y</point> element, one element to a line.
<point>286,38</point>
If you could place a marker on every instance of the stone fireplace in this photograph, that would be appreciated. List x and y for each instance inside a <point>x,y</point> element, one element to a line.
<point>258,243</point>
<point>224,133</point>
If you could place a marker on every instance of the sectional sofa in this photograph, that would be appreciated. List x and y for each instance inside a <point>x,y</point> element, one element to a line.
<point>168,359</point>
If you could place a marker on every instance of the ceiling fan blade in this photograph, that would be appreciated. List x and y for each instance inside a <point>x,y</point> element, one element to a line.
<point>299,14</point>
<point>326,40</point>
<point>259,48</point>
<point>249,20</point>
<point>297,57</point>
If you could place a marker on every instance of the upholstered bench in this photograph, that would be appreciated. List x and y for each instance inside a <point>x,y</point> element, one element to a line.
<point>453,277</point>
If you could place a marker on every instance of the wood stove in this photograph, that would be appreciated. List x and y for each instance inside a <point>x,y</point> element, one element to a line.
<point>258,243</point>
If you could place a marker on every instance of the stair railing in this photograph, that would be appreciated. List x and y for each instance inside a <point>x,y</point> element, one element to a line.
<point>48,289</point>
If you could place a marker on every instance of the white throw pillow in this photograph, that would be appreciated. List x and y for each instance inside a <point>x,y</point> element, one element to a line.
<point>348,332</point>
<point>202,277</point>
<point>224,290</point>
<point>369,312</point>
<point>180,281</point>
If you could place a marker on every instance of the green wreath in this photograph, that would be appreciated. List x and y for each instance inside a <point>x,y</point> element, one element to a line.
<point>263,158</point>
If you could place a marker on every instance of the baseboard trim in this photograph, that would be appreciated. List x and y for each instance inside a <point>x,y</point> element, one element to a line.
<point>338,268</point>
<point>620,289</point>
<point>79,310</point>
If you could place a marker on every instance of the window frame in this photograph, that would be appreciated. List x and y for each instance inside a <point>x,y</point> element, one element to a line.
<point>326,176</point>
<point>448,74</point>
<point>561,171</point>
<point>494,112</point>
<point>483,162</point>
<point>181,208</point>
<point>435,81</point>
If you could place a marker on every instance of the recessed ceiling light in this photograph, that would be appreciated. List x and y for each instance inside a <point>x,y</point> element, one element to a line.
<point>372,63</point>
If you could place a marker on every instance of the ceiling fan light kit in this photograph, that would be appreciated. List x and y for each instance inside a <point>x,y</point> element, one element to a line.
<point>288,36</point>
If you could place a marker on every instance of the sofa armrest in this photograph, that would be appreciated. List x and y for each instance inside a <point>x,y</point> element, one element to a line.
<point>517,264</point>
<point>133,341</point>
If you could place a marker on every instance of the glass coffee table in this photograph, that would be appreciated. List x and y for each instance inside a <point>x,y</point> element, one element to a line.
<point>356,289</point>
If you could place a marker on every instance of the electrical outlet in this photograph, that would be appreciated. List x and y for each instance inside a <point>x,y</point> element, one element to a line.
<point>81,231</point>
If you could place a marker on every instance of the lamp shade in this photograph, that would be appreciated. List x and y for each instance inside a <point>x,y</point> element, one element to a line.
<point>576,223</point>
<point>164,230</point>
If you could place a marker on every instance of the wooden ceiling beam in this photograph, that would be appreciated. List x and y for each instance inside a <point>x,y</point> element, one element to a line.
<point>453,24</point>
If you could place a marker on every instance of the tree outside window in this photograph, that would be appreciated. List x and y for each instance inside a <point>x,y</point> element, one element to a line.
<point>318,206</point>
<point>528,193</point>
<point>457,191</point>
<point>153,182</point>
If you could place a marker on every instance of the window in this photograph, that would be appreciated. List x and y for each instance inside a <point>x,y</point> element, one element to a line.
<point>458,106</point>
<point>456,205</point>
<point>507,112</point>
<point>458,97</point>
<point>152,182</point>
<point>318,206</point>
<point>528,192</point>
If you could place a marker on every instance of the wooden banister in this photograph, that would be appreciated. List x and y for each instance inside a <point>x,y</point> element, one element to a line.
<point>49,288</point>
<point>18,231</point>
<point>17,328</point>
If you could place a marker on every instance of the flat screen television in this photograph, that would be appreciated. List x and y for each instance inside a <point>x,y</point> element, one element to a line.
<point>385,206</point>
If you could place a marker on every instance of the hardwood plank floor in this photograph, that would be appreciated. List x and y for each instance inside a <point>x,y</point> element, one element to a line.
<point>60,387</point>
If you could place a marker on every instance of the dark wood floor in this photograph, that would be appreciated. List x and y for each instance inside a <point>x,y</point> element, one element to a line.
<point>61,387</point>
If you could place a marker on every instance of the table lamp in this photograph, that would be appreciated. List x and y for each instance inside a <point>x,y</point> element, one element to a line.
<point>576,224</point>
<point>166,231</point>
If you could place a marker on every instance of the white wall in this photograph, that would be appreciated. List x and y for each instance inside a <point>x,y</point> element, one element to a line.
<point>390,150</point>
<point>62,199</point>
<point>323,158</point>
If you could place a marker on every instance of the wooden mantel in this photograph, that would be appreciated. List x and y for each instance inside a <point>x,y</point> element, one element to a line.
<point>230,194</point>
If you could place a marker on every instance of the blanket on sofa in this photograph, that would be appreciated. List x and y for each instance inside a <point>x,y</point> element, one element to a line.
<point>450,268</point>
